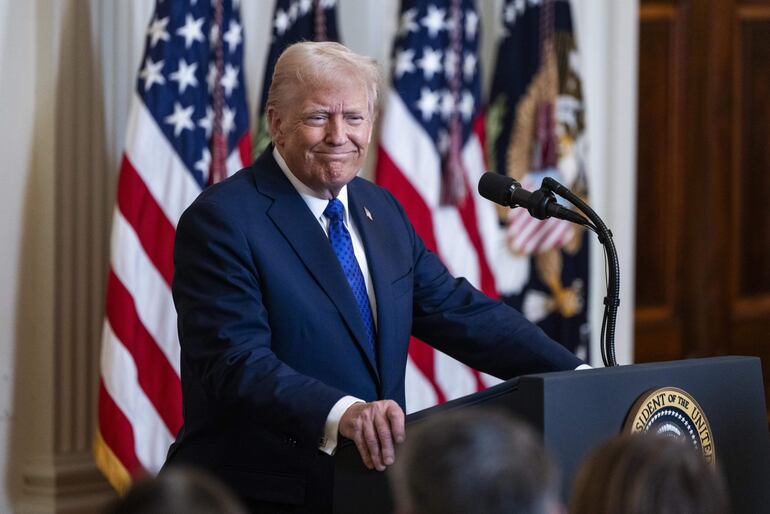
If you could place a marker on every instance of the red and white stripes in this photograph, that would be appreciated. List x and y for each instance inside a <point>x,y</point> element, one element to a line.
<point>527,235</point>
<point>464,237</point>
<point>140,401</point>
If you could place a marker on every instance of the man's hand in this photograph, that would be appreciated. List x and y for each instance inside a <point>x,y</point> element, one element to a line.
<point>373,427</point>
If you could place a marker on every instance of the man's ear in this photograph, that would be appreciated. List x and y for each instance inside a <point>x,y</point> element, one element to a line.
<point>274,122</point>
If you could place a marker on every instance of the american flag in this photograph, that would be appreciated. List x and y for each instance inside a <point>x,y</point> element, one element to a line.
<point>293,21</point>
<point>188,127</point>
<point>430,156</point>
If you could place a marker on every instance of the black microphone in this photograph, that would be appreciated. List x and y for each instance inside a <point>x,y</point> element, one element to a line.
<point>541,204</point>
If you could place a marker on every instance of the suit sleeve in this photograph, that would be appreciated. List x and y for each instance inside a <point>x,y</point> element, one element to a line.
<point>225,334</point>
<point>456,318</point>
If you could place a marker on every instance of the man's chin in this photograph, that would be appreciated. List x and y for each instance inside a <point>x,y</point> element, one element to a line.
<point>338,170</point>
<point>337,178</point>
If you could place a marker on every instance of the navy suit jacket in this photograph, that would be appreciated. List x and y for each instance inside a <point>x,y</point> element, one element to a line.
<point>271,336</point>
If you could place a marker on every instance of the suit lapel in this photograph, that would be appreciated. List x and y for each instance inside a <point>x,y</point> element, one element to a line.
<point>381,262</point>
<point>291,215</point>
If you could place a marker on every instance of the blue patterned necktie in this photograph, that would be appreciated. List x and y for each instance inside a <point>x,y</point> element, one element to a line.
<point>343,247</point>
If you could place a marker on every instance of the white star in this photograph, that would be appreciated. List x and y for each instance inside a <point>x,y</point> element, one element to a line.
<point>430,63</point>
<point>281,22</point>
<point>510,13</point>
<point>207,121</point>
<point>327,4</point>
<point>157,31</point>
<point>443,141</point>
<point>192,30</point>
<point>450,64</point>
<point>211,78</point>
<point>213,35</point>
<point>204,163</point>
<point>151,73</point>
<point>228,120</point>
<point>304,6</point>
<point>521,6</point>
<point>434,20</point>
<point>466,105</point>
<point>534,2</point>
<point>404,63</point>
<point>471,24</point>
<point>230,79</point>
<point>408,24</point>
<point>181,118</point>
<point>185,75</point>
<point>293,12</point>
<point>428,103</point>
<point>233,35</point>
<point>447,104</point>
<point>469,66</point>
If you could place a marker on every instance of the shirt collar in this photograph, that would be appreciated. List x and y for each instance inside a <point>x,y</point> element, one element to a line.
<point>316,204</point>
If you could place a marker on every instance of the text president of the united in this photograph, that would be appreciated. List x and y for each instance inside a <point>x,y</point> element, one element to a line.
<point>297,286</point>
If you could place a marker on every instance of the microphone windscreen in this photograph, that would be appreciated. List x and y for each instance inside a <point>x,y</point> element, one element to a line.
<point>496,187</point>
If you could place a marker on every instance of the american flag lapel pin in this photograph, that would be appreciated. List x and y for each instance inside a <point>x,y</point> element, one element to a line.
<point>368,214</point>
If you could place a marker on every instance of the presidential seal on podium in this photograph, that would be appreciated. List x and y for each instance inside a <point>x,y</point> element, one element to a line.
<point>672,412</point>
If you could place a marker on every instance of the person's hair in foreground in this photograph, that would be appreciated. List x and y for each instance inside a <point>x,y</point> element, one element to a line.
<point>647,474</point>
<point>178,490</point>
<point>474,461</point>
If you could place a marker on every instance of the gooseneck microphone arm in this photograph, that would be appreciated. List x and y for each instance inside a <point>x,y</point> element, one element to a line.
<point>612,300</point>
<point>542,204</point>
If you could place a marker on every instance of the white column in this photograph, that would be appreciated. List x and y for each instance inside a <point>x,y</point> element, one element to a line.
<point>65,91</point>
<point>607,37</point>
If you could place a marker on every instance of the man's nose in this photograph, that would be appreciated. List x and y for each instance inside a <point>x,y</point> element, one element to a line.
<point>335,131</point>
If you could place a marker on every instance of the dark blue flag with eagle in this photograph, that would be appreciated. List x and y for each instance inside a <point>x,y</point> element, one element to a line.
<point>536,128</point>
<point>293,21</point>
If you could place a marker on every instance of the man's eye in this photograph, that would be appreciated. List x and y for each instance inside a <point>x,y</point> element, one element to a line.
<point>315,119</point>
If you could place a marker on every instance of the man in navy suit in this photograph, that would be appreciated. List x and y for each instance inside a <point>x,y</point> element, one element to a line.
<point>297,287</point>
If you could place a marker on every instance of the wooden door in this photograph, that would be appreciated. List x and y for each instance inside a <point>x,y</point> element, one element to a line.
<point>703,173</point>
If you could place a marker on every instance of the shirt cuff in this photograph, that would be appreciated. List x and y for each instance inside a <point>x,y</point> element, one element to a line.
<point>328,442</point>
<point>584,366</point>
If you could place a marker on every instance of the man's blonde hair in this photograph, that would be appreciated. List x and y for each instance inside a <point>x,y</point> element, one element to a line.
<point>310,63</point>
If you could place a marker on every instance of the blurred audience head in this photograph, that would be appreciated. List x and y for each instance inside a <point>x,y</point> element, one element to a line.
<point>178,490</point>
<point>647,474</point>
<point>474,461</point>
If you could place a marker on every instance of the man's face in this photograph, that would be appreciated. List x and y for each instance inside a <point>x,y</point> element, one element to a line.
<point>324,135</point>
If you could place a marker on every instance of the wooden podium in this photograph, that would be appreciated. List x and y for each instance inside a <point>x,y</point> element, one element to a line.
<point>576,410</point>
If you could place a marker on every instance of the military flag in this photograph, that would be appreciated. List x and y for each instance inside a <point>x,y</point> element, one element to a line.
<point>536,128</point>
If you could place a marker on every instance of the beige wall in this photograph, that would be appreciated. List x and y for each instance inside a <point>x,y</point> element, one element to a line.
<point>67,68</point>
<point>26,119</point>
<point>52,202</point>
